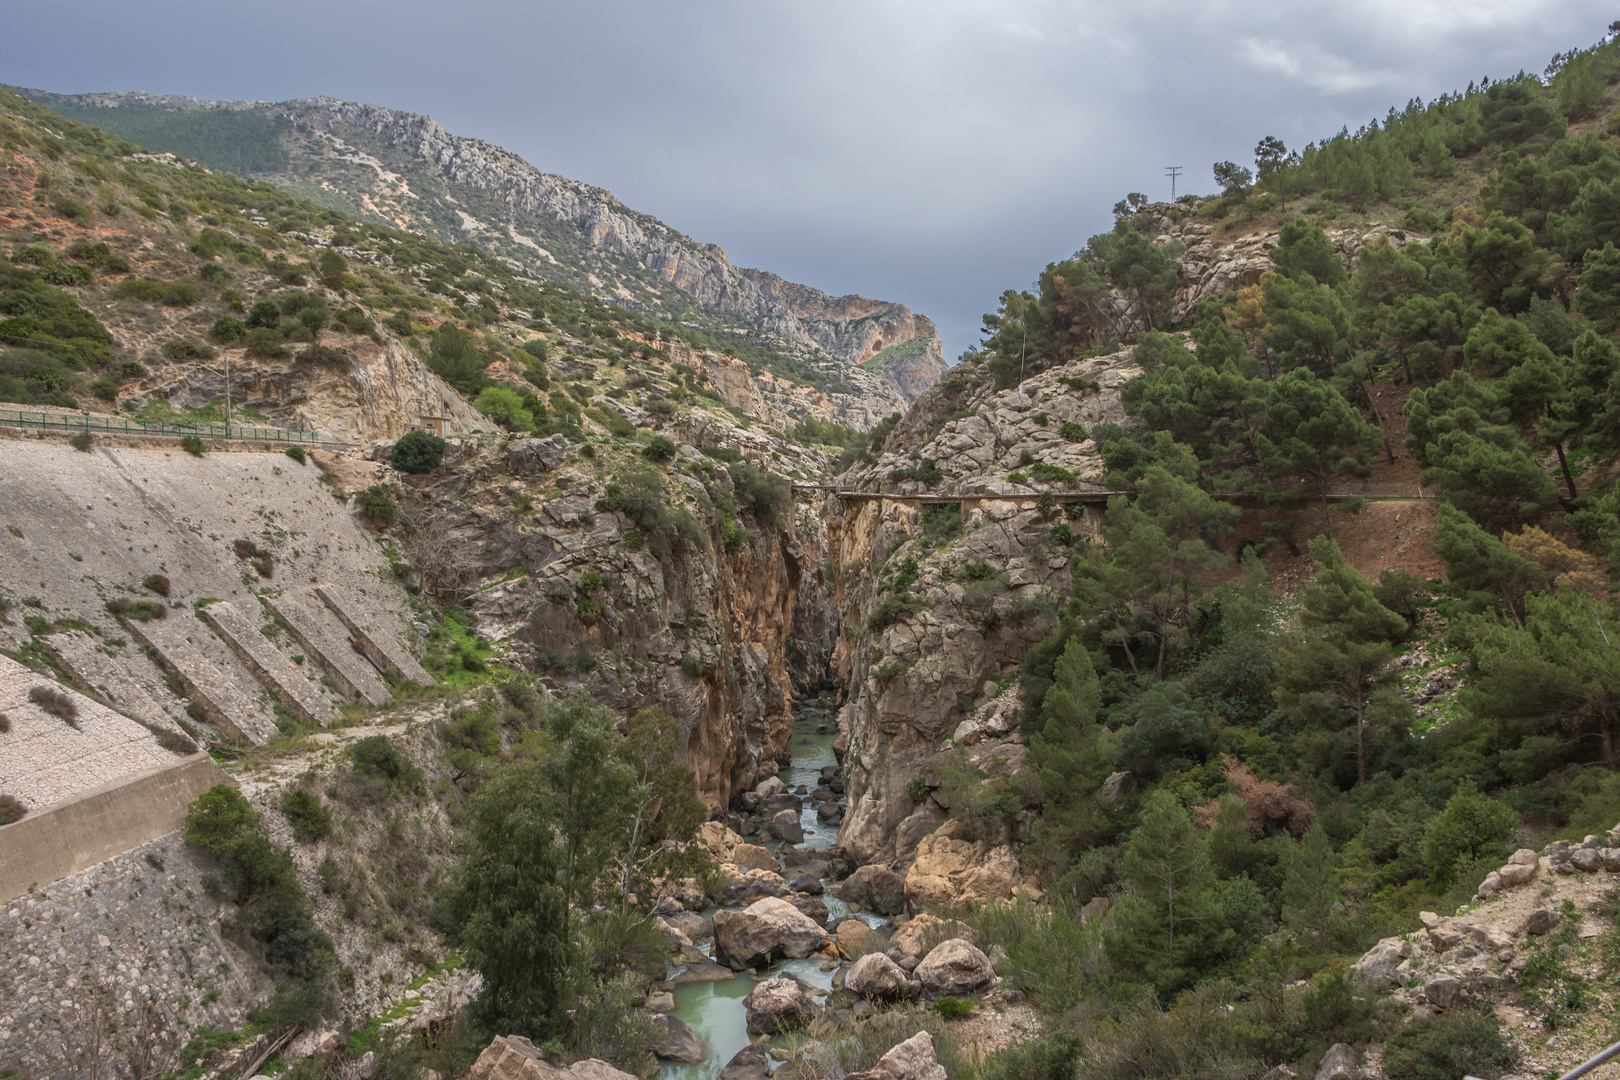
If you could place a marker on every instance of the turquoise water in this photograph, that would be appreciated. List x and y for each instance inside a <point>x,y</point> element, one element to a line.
<point>714,1011</point>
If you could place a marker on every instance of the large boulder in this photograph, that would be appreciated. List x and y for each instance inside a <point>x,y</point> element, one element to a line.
<point>764,932</point>
<point>876,978</point>
<point>786,827</point>
<point>753,1062</point>
<point>911,1060</point>
<point>745,888</point>
<point>694,926</point>
<point>876,887</point>
<point>855,938</point>
<point>720,840</point>
<point>525,457</point>
<point>955,967</point>
<point>925,931</point>
<point>1540,921</point>
<point>678,1043</point>
<point>778,1005</point>
<point>770,786</point>
<point>1339,1063</point>
<point>1376,970</point>
<point>754,857</point>
<point>811,906</point>
<point>512,1057</point>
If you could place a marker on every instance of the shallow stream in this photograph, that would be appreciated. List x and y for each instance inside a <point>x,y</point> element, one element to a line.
<point>714,1011</point>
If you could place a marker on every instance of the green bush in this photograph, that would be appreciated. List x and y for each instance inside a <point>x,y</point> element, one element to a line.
<point>767,496</point>
<point>953,1008</point>
<point>265,314</point>
<point>297,454</point>
<point>376,755</point>
<point>310,820</point>
<point>105,389</point>
<point>139,610</point>
<point>181,294</point>
<point>11,810</point>
<point>140,289</point>
<point>691,665</point>
<point>187,350</point>
<point>1459,1043</point>
<point>377,507</point>
<point>193,445</point>
<point>417,452</point>
<point>56,703</point>
<point>659,449</point>
<point>1472,826</point>
<point>82,441</point>
<point>323,356</point>
<point>157,583</point>
<point>732,536</point>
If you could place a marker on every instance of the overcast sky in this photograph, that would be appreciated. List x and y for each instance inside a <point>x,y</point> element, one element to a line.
<point>933,152</point>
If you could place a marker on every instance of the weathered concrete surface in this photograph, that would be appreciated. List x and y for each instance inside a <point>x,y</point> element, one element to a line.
<point>93,826</point>
<point>44,760</point>
<point>273,668</point>
<point>326,640</point>
<point>374,632</point>
<point>124,676</point>
<point>220,684</point>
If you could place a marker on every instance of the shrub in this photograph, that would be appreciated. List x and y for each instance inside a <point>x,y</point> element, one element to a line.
<point>378,756</point>
<point>130,369</point>
<point>181,294</point>
<point>73,211</point>
<point>732,536</point>
<point>82,441</point>
<point>157,583</point>
<point>297,454</point>
<point>417,452</point>
<point>659,449</point>
<point>5,724</point>
<point>1471,827</point>
<point>310,820</point>
<point>193,445</point>
<point>56,703</point>
<point>926,473</point>
<point>139,610</point>
<point>377,507</point>
<point>953,1008</point>
<point>323,356</point>
<point>105,389</point>
<point>139,289</point>
<point>187,350</point>
<point>265,314</point>
<point>1460,1043</point>
<point>691,665</point>
<point>767,496</point>
<point>11,810</point>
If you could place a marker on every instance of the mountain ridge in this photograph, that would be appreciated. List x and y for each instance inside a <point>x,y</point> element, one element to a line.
<point>407,170</point>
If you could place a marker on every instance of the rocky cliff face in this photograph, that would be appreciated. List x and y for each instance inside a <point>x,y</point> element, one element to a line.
<point>407,169</point>
<point>942,602</point>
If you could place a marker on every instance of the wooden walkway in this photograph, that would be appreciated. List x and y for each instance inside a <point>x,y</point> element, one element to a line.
<point>1100,497</point>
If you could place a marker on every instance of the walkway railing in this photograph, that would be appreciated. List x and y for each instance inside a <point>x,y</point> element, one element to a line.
<point>119,425</point>
<point>1334,493</point>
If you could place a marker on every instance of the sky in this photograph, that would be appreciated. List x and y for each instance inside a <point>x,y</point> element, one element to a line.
<point>932,152</point>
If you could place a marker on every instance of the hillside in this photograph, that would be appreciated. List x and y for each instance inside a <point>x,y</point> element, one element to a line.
<point>1211,676</point>
<point>405,170</point>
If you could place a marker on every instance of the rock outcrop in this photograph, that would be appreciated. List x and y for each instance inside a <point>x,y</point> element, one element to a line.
<point>512,1057</point>
<point>913,1059</point>
<point>764,932</point>
<point>778,1005</point>
<point>955,967</point>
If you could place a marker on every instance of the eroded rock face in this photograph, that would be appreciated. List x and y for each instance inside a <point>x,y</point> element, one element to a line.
<point>876,887</point>
<point>764,932</point>
<point>921,676</point>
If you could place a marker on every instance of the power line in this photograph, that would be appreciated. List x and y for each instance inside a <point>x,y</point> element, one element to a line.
<point>1172,171</point>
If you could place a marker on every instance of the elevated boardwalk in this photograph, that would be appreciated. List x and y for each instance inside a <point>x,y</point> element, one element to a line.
<point>1100,496</point>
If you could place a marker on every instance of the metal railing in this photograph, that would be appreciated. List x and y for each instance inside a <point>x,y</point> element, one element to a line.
<point>119,425</point>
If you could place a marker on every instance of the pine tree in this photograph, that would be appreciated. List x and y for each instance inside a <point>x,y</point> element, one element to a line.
<point>1338,659</point>
<point>1309,893</point>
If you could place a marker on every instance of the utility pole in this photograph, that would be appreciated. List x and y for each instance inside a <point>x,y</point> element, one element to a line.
<point>1172,171</point>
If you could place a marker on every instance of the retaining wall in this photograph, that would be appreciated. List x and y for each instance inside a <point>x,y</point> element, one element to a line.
<point>56,841</point>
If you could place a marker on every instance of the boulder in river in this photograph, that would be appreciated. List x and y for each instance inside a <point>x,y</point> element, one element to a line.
<point>807,883</point>
<point>512,1057</point>
<point>754,857</point>
<point>876,887</point>
<point>855,938</point>
<point>694,926</point>
<point>955,967</point>
<point>753,1062</point>
<point>771,786</point>
<point>678,1043</point>
<point>810,905</point>
<point>876,978</point>
<point>764,932</point>
<point>785,826</point>
<point>743,888</point>
<point>778,1005</point>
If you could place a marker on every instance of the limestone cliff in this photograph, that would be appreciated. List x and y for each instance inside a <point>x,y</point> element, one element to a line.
<point>941,602</point>
<point>406,169</point>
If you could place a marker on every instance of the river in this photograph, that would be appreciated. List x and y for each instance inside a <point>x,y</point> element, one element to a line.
<point>714,1011</point>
